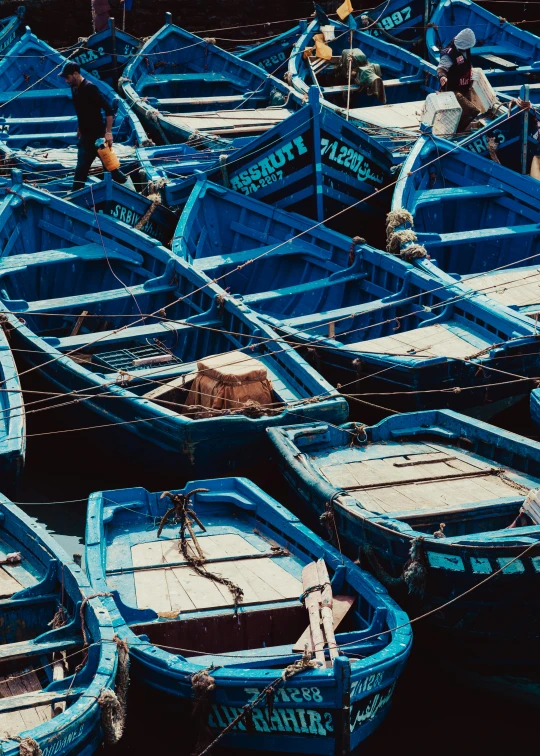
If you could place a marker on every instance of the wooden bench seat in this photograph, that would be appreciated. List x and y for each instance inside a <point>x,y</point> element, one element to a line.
<point>429,196</point>
<point>113,336</point>
<point>286,291</point>
<point>90,251</point>
<point>278,249</point>
<point>163,102</point>
<point>478,235</point>
<point>83,300</point>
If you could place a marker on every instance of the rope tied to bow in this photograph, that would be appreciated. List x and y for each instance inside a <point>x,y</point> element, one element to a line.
<point>402,242</point>
<point>202,685</point>
<point>155,200</point>
<point>186,515</point>
<point>113,703</point>
<point>28,746</point>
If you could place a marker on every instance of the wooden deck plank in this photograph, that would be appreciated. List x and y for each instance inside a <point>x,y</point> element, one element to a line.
<point>203,592</point>
<point>276,577</point>
<point>144,554</point>
<point>214,547</point>
<point>398,469</point>
<point>152,591</point>
<point>12,723</point>
<point>518,286</point>
<point>8,584</point>
<point>178,597</point>
<point>431,341</point>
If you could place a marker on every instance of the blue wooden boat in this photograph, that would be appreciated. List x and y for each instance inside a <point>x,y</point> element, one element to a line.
<point>180,85</point>
<point>507,54</point>
<point>11,29</point>
<point>314,162</point>
<point>105,54</point>
<point>58,656</point>
<point>273,54</point>
<point>477,220</point>
<point>361,315</point>
<point>111,313</point>
<point>38,125</point>
<point>407,78</point>
<point>147,214</point>
<point>242,646</point>
<point>389,488</point>
<point>293,270</point>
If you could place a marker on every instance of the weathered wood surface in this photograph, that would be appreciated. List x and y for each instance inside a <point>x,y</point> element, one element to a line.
<point>518,286</point>
<point>431,341</point>
<point>172,589</point>
<point>434,480</point>
<point>340,607</point>
<point>310,579</point>
<point>15,722</point>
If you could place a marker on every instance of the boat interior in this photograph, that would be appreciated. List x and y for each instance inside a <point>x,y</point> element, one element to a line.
<point>39,626</point>
<point>421,476</point>
<point>194,616</point>
<point>406,77</point>
<point>498,46</point>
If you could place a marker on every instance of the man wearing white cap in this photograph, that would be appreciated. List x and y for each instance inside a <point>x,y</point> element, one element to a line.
<point>455,66</point>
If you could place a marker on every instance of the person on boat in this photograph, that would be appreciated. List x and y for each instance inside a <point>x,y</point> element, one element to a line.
<point>455,65</point>
<point>89,103</point>
<point>455,74</point>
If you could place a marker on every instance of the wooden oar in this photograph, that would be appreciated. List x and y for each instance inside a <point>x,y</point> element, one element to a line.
<point>310,581</point>
<point>326,608</point>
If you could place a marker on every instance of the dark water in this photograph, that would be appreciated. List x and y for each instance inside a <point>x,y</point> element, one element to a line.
<point>437,708</point>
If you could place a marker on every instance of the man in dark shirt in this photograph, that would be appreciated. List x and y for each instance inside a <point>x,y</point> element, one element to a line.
<point>89,103</point>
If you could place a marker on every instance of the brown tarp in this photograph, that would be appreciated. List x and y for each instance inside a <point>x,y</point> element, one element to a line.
<point>230,381</point>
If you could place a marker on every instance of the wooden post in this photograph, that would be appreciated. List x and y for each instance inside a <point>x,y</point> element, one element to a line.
<point>524,95</point>
<point>350,72</point>
<point>326,609</point>
<point>310,579</point>
<point>59,672</point>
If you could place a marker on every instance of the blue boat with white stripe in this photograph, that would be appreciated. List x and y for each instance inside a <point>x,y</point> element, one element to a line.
<point>433,503</point>
<point>181,85</point>
<point>58,656</point>
<point>232,632</point>
<point>38,124</point>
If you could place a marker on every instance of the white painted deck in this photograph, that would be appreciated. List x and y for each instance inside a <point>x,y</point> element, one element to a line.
<point>517,286</point>
<point>222,121</point>
<point>179,589</point>
<point>405,115</point>
<point>434,480</point>
<point>432,341</point>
